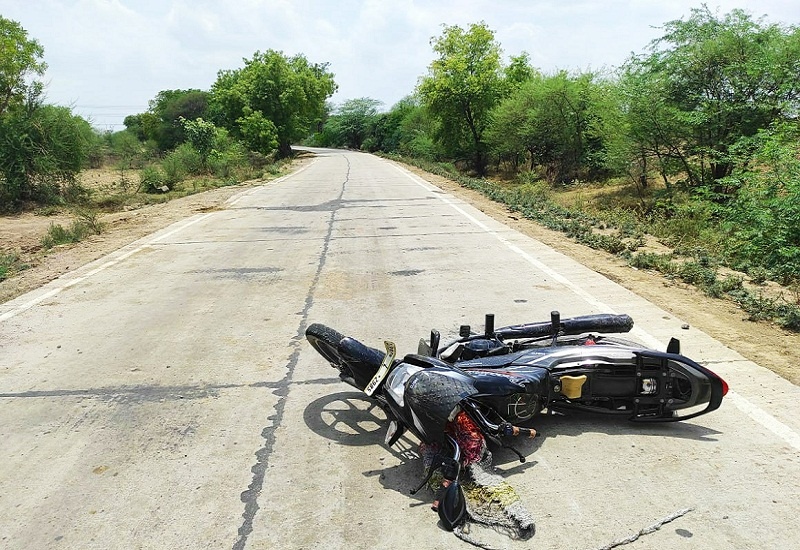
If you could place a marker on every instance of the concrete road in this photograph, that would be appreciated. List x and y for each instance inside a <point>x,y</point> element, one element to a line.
<point>164,397</point>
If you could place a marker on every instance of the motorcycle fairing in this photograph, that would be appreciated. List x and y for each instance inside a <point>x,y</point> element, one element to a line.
<point>433,396</point>
<point>395,385</point>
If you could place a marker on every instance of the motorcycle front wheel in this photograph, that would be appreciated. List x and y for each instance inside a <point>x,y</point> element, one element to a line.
<point>326,341</point>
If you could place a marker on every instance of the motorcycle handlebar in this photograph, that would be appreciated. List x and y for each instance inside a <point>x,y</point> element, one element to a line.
<point>504,429</point>
<point>603,323</point>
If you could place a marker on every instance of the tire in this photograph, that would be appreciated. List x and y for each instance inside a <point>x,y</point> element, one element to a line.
<point>326,341</point>
<point>357,363</point>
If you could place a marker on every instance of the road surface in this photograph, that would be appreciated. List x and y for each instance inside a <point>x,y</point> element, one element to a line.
<point>164,396</point>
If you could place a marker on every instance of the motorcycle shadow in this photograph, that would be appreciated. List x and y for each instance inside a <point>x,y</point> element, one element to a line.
<point>574,423</point>
<point>347,418</point>
<point>350,419</point>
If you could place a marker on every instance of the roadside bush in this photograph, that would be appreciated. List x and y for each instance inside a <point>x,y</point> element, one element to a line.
<point>721,288</point>
<point>57,234</point>
<point>180,163</point>
<point>152,179</point>
<point>188,157</point>
<point>422,146</point>
<point>652,260</point>
<point>8,264</point>
<point>42,148</point>
<point>685,224</point>
<point>697,274</point>
<point>228,163</point>
<point>90,218</point>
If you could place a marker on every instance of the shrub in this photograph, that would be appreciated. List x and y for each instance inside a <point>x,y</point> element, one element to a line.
<point>651,260</point>
<point>8,263</point>
<point>227,163</point>
<point>152,179</point>
<point>180,163</point>
<point>90,219</point>
<point>57,234</point>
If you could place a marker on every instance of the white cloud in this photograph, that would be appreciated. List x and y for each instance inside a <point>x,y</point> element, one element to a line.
<point>110,57</point>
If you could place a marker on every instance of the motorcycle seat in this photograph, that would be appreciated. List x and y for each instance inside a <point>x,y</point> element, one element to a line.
<point>491,362</point>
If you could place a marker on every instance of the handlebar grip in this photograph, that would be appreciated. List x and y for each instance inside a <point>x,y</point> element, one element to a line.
<point>510,430</point>
<point>524,432</point>
<point>603,322</point>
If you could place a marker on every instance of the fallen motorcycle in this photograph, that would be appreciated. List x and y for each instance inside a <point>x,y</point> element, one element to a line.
<point>490,385</point>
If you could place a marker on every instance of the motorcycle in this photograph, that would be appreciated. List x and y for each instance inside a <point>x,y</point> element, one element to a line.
<point>489,386</point>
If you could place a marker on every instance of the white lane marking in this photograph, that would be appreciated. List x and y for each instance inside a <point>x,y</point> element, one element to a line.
<point>72,282</point>
<point>233,201</point>
<point>765,419</point>
<point>768,421</point>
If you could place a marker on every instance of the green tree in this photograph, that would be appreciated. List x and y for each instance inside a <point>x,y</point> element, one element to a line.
<point>200,134</point>
<point>42,148</point>
<point>355,118</point>
<point>763,219</point>
<point>162,121</point>
<point>642,132</point>
<point>288,91</point>
<point>144,126</point>
<point>548,119</point>
<point>463,84</point>
<point>518,71</point>
<point>20,58</point>
<point>258,133</point>
<point>716,79</point>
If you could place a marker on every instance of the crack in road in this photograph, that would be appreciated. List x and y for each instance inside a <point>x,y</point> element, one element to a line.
<point>250,496</point>
<point>145,393</point>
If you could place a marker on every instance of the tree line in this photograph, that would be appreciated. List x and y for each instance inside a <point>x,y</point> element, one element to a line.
<point>250,113</point>
<point>689,107</point>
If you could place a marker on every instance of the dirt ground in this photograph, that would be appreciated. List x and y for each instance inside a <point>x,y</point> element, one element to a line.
<point>763,343</point>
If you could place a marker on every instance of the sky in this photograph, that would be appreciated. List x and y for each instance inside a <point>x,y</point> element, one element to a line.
<point>107,58</point>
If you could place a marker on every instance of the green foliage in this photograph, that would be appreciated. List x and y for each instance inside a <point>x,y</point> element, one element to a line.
<point>152,179</point>
<point>410,129</point>
<point>180,163</point>
<point>258,132</point>
<point>518,71</point>
<point>354,119</point>
<point>20,58</point>
<point>126,148</point>
<point>709,81</point>
<point>763,219</point>
<point>9,264</point>
<point>162,122</point>
<point>683,224</point>
<point>546,120</point>
<point>463,84</point>
<point>42,148</point>
<point>234,161</point>
<point>288,91</point>
<point>90,218</point>
<point>58,235</point>
<point>200,135</point>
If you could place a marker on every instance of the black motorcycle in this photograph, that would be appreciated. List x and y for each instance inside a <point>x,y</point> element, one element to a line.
<point>489,386</point>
